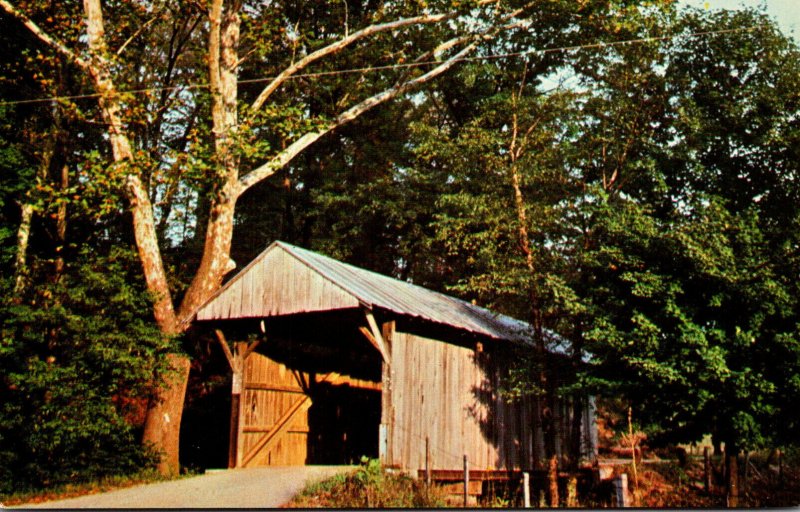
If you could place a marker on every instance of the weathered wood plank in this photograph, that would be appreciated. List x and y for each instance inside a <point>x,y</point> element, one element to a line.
<point>270,389</point>
<point>377,338</point>
<point>281,425</point>
<point>449,394</point>
<point>273,387</point>
<point>254,429</point>
<point>276,284</point>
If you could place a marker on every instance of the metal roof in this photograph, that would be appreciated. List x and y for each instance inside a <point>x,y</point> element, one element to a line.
<point>377,290</point>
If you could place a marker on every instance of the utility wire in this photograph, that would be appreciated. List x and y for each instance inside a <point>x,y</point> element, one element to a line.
<point>400,65</point>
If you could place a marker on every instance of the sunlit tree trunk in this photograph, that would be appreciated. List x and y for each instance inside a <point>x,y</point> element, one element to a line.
<point>548,417</point>
<point>27,209</point>
<point>162,425</point>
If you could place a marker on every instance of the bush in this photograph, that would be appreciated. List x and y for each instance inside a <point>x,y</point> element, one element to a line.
<point>369,486</point>
<point>77,359</point>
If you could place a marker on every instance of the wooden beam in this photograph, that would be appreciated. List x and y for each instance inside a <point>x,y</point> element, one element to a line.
<point>273,387</point>
<point>368,334</point>
<point>250,348</point>
<point>268,428</point>
<point>337,379</point>
<point>377,338</point>
<point>223,342</point>
<point>280,426</point>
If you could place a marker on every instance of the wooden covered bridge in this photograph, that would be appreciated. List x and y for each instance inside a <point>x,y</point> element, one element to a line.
<point>334,362</point>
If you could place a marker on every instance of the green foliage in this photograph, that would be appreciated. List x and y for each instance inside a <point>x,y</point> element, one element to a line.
<point>78,358</point>
<point>369,486</point>
<point>661,201</point>
<point>689,273</point>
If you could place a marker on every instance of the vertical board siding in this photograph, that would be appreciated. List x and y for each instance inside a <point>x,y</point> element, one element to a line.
<point>277,284</point>
<point>449,394</point>
<point>263,408</point>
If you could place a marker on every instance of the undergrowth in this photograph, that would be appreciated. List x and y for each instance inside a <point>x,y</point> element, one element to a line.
<point>369,486</point>
<point>71,490</point>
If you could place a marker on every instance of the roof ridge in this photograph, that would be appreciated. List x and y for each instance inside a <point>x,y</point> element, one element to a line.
<point>474,307</point>
<point>290,249</point>
<point>382,276</point>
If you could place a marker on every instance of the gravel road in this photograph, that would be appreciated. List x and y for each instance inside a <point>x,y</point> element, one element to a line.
<point>236,488</point>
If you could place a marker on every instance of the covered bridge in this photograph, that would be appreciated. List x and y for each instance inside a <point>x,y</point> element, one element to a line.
<point>336,362</point>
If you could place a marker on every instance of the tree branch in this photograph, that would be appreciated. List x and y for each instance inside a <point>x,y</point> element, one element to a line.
<point>137,33</point>
<point>285,156</point>
<point>44,36</point>
<point>339,45</point>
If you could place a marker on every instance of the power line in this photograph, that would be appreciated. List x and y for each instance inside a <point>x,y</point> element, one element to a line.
<point>407,65</point>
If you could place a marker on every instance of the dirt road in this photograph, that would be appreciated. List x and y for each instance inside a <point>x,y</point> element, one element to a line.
<point>236,488</point>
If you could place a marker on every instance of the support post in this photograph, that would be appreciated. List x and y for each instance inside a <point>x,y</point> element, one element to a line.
<point>621,490</point>
<point>526,489</point>
<point>427,461</point>
<point>466,480</point>
<point>707,470</point>
<point>240,352</point>
<point>553,478</point>
<point>733,481</point>
<point>572,492</point>
<point>233,437</point>
<point>236,361</point>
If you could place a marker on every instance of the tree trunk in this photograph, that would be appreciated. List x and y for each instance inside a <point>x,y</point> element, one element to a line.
<point>163,422</point>
<point>61,225</point>
<point>223,60</point>
<point>548,422</point>
<point>21,259</point>
<point>162,426</point>
<point>26,214</point>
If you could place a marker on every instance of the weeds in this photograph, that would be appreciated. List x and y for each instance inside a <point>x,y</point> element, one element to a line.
<point>369,486</point>
<point>72,490</point>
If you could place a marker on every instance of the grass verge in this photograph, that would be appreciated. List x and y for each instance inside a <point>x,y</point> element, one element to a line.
<point>73,490</point>
<point>369,486</point>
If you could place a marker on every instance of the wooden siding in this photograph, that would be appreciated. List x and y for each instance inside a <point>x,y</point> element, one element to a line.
<point>277,284</point>
<point>270,390</point>
<point>450,394</point>
<point>278,426</point>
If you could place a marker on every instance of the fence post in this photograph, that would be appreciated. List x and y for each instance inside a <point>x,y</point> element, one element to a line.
<point>746,483</point>
<point>572,492</point>
<point>621,490</point>
<point>780,467</point>
<point>733,481</point>
<point>466,480</point>
<point>427,461</point>
<point>553,477</point>
<point>706,470</point>
<point>526,489</point>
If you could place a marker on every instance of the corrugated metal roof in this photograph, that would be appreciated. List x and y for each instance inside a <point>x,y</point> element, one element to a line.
<point>377,290</point>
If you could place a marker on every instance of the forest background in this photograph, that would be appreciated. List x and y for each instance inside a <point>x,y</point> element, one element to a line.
<point>622,173</point>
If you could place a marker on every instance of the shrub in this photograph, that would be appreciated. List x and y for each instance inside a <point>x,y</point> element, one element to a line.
<point>369,486</point>
<point>76,362</point>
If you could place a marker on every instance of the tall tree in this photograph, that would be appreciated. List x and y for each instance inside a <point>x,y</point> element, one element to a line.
<point>690,262</point>
<point>101,54</point>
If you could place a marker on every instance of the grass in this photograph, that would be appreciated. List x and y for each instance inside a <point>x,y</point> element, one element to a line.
<point>672,485</point>
<point>664,485</point>
<point>369,486</point>
<point>73,490</point>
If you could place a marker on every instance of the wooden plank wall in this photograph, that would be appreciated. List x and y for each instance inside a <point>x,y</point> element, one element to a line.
<point>270,389</point>
<point>449,394</point>
<point>276,284</point>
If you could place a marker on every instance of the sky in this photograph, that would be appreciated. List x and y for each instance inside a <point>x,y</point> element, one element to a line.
<point>787,12</point>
